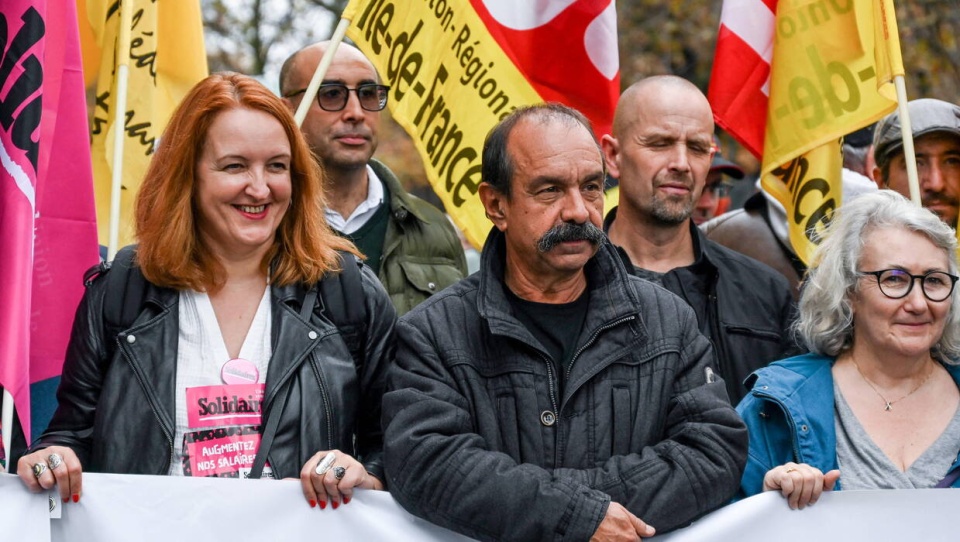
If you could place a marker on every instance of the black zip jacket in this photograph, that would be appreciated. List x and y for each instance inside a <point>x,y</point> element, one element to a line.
<point>743,306</point>
<point>479,438</point>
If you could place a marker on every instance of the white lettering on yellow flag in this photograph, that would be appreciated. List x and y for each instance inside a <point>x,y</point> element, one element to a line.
<point>833,61</point>
<point>167,57</point>
<point>450,84</point>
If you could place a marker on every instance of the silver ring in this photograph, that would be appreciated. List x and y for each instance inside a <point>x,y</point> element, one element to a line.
<point>339,472</point>
<point>324,465</point>
<point>39,469</point>
<point>55,461</point>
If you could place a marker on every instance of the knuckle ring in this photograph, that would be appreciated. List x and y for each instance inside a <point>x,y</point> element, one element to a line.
<point>39,469</point>
<point>339,472</point>
<point>791,469</point>
<point>324,465</point>
<point>55,461</point>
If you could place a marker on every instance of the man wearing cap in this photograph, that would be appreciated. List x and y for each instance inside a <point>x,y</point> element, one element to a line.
<point>713,196</point>
<point>409,244</point>
<point>936,140</point>
<point>661,150</point>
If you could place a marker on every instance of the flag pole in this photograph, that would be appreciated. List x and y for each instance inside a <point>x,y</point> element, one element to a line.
<point>906,131</point>
<point>311,93</point>
<point>119,124</point>
<point>6,424</point>
<point>891,37</point>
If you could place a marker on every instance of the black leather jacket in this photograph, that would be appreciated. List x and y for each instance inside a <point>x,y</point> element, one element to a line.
<point>118,412</point>
<point>481,440</point>
<point>749,232</point>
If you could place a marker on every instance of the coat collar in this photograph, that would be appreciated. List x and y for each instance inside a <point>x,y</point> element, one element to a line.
<point>785,379</point>
<point>702,263</point>
<point>803,386</point>
<point>611,296</point>
<point>291,339</point>
<point>402,204</point>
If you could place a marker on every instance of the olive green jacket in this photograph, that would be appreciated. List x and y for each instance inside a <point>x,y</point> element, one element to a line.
<point>422,253</point>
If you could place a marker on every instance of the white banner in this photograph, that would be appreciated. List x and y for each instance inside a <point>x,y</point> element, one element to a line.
<point>844,516</point>
<point>23,515</point>
<point>163,508</point>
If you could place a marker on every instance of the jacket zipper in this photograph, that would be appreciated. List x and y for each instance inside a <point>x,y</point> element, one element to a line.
<point>550,382</point>
<point>593,338</point>
<point>554,404</point>
<point>556,458</point>
<point>326,404</point>
<point>719,344</point>
<point>156,414</point>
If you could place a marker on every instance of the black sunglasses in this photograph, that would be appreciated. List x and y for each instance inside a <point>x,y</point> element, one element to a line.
<point>334,96</point>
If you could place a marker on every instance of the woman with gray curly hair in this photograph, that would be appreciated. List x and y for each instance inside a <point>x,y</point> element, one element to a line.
<point>877,398</point>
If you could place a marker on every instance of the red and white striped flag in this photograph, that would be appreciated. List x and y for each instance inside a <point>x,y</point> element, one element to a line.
<point>792,77</point>
<point>740,83</point>
<point>458,68</point>
<point>567,50</point>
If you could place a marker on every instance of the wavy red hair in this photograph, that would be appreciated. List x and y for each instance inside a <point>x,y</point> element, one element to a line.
<point>171,253</point>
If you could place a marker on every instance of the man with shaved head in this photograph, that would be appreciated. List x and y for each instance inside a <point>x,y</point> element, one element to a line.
<point>661,149</point>
<point>408,243</point>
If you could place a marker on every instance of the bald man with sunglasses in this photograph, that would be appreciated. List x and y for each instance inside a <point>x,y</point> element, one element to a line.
<point>408,243</point>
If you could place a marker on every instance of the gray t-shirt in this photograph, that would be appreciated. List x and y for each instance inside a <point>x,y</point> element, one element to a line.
<point>646,274</point>
<point>863,465</point>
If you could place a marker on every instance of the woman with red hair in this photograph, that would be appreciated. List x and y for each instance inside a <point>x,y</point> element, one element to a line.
<point>232,366</point>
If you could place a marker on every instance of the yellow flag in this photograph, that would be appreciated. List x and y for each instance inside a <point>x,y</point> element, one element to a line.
<point>450,84</point>
<point>831,74</point>
<point>167,57</point>
<point>887,40</point>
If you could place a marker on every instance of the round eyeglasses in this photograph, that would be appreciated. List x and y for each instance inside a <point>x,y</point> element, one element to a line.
<point>897,283</point>
<point>334,96</point>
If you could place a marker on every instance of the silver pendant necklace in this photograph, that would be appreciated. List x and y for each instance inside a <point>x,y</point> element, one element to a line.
<point>888,405</point>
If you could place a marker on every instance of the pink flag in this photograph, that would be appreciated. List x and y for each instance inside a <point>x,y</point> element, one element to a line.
<point>567,50</point>
<point>740,82</point>
<point>47,218</point>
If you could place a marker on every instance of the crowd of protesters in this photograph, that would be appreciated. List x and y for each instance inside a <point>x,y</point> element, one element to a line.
<point>582,384</point>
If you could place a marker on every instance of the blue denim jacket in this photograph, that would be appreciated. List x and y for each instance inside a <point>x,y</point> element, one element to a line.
<point>789,414</point>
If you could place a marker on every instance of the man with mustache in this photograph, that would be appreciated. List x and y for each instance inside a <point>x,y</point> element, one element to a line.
<point>936,140</point>
<point>551,395</point>
<point>661,149</point>
<point>408,243</point>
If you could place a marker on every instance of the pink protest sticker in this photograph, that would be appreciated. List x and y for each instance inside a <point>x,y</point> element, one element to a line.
<point>239,371</point>
<point>219,456</point>
<point>217,406</point>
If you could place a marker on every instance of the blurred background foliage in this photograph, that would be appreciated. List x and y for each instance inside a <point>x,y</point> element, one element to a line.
<point>655,36</point>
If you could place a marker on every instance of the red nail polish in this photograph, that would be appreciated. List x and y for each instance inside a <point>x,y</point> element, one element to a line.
<point>76,498</point>
<point>66,500</point>
<point>313,503</point>
<point>335,504</point>
<point>323,505</point>
<point>346,499</point>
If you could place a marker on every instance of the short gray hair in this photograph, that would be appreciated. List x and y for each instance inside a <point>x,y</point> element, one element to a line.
<point>826,316</point>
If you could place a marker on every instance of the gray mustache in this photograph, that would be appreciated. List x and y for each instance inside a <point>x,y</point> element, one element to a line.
<point>570,232</point>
